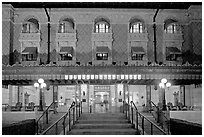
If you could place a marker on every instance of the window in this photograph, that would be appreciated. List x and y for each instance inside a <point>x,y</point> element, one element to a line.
<point>29,54</point>
<point>136,28</point>
<point>66,26</point>
<point>102,27</point>
<point>136,56</point>
<point>173,28</point>
<point>101,56</point>
<point>30,26</point>
<point>172,57</point>
<point>66,56</point>
<point>29,57</point>
<point>172,53</point>
<point>62,28</point>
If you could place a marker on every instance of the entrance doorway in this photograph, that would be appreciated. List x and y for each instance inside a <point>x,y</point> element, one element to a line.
<point>101,101</point>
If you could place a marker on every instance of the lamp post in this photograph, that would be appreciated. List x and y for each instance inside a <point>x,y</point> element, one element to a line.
<point>41,85</point>
<point>163,85</point>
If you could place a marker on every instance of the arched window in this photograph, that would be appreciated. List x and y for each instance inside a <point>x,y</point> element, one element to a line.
<point>102,25</point>
<point>66,26</point>
<point>30,26</point>
<point>136,27</point>
<point>171,26</point>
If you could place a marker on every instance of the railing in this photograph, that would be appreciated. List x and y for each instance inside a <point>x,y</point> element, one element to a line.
<point>46,112</point>
<point>158,117</point>
<point>133,115</point>
<point>68,119</point>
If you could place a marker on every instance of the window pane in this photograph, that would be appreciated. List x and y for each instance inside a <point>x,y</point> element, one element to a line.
<point>102,56</point>
<point>137,56</point>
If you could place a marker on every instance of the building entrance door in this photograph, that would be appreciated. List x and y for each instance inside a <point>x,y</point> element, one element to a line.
<point>101,101</point>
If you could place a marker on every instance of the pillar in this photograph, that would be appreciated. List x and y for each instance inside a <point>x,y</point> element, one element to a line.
<point>10,95</point>
<point>88,102</point>
<point>182,94</point>
<point>148,96</point>
<point>116,98</point>
<point>55,97</point>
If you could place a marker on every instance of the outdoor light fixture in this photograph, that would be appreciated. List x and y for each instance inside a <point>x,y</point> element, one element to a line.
<point>164,83</point>
<point>41,85</point>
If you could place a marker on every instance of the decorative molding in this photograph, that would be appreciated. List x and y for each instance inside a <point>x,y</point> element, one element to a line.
<point>138,37</point>
<point>30,37</point>
<point>102,37</point>
<point>66,37</point>
<point>172,37</point>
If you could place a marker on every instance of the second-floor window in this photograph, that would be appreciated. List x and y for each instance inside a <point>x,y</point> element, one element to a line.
<point>172,57</point>
<point>101,56</point>
<point>136,28</point>
<point>66,56</point>
<point>29,57</point>
<point>29,54</point>
<point>136,56</point>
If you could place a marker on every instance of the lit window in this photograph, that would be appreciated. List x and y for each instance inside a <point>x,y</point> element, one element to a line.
<point>173,28</point>
<point>29,57</point>
<point>172,57</point>
<point>101,28</point>
<point>62,28</point>
<point>136,28</point>
<point>137,56</point>
<point>102,56</point>
<point>66,56</point>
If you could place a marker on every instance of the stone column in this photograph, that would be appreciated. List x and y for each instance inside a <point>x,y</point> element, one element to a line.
<point>55,97</point>
<point>88,92</point>
<point>148,96</point>
<point>10,95</point>
<point>116,98</point>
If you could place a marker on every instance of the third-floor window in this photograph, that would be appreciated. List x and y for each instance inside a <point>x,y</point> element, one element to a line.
<point>173,28</point>
<point>136,28</point>
<point>102,27</point>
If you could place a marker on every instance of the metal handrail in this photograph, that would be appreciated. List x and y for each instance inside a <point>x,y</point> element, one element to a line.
<point>72,107</point>
<point>168,122</point>
<point>133,106</point>
<point>45,112</point>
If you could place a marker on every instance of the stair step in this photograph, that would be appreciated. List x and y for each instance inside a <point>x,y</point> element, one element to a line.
<point>103,132</point>
<point>102,126</point>
<point>102,121</point>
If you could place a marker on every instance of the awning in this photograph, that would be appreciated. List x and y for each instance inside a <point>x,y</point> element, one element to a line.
<point>102,49</point>
<point>68,50</point>
<point>172,50</point>
<point>139,50</point>
<point>30,50</point>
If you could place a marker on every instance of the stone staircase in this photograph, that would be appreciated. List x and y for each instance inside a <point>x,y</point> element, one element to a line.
<point>103,124</point>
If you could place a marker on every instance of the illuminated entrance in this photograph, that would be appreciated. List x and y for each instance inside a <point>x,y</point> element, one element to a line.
<point>101,102</point>
<point>102,99</point>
